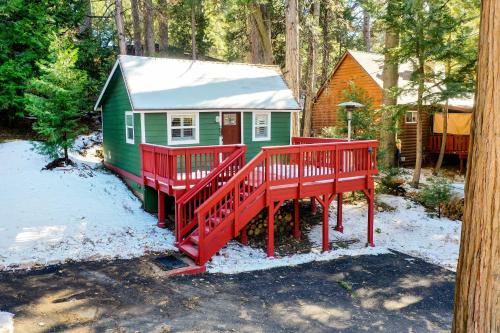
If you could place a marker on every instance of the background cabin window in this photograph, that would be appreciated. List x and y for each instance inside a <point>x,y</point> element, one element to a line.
<point>411,117</point>
<point>129,127</point>
<point>261,126</point>
<point>183,128</point>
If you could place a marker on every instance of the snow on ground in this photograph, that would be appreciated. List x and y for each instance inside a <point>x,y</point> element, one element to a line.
<point>85,149</point>
<point>6,322</point>
<point>457,182</point>
<point>68,213</point>
<point>408,229</point>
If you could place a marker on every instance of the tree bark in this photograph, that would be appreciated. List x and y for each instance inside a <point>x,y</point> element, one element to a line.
<point>163,26</point>
<point>367,38</point>
<point>86,24</point>
<point>149,38</point>
<point>136,23</point>
<point>120,30</point>
<point>193,30</point>
<point>311,84</point>
<point>264,33</point>
<point>443,139</point>
<point>292,56</point>
<point>327,41</point>
<point>477,292</point>
<point>390,76</point>
<point>419,145</point>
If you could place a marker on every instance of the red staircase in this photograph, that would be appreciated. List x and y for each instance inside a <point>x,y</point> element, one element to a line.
<point>219,207</point>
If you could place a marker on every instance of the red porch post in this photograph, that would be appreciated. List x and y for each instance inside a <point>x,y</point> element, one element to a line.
<point>339,227</point>
<point>296,219</point>
<point>244,236</point>
<point>313,205</point>
<point>270,230</point>
<point>161,209</point>
<point>326,210</point>
<point>371,200</point>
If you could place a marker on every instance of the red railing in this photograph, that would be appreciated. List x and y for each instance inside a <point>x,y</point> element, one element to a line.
<point>181,167</point>
<point>311,140</point>
<point>203,190</point>
<point>278,166</point>
<point>455,144</point>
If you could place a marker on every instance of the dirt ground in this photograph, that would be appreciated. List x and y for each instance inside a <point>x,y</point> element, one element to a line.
<point>386,293</point>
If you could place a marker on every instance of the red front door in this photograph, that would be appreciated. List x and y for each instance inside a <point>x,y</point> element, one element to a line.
<point>231,128</point>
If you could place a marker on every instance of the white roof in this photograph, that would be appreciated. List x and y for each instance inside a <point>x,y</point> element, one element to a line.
<point>373,64</point>
<point>175,84</point>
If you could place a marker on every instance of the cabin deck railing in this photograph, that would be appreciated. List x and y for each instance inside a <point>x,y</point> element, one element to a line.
<point>455,144</point>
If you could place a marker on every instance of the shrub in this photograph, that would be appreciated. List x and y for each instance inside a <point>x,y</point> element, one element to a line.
<point>436,193</point>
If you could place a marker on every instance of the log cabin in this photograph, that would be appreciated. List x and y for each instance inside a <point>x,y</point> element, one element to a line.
<point>364,69</point>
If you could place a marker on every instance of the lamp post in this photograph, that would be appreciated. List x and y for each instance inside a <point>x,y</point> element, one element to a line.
<point>349,107</point>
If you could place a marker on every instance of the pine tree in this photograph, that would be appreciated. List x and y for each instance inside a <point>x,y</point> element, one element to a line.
<point>55,98</point>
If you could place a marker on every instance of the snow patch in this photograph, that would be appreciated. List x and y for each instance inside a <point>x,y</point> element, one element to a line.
<point>76,213</point>
<point>6,322</point>
<point>235,258</point>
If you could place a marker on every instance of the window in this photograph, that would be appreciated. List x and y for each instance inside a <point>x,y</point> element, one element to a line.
<point>183,129</point>
<point>411,117</point>
<point>261,126</point>
<point>129,127</point>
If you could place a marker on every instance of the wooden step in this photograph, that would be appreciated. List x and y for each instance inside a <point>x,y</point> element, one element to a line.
<point>190,249</point>
<point>194,239</point>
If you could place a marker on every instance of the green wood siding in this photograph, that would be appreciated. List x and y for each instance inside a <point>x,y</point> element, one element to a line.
<point>156,129</point>
<point>116,151</point>
<point>280,132</point>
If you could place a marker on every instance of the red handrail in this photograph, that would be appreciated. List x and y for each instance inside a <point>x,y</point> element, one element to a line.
<point>181,166</point>
<point>274,166</point>
<point>192,199</point>
<point>311,140</point>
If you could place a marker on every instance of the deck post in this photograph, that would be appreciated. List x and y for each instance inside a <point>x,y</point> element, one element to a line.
<point>313,205</point>
<point>326,243</point>
<point>339,227</point>
<point>371,200</point>
<point>161,209</point>
<point>296,219</point>
<point>244,236</point>
<point>270,230</point>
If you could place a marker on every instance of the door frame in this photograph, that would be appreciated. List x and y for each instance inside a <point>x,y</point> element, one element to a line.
<point>221,123</point>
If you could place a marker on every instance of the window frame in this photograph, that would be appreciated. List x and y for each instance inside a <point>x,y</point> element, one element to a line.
<point>196,128</point>
<point>127,139</point>
<point>254,125</point>
<point>413,113</point>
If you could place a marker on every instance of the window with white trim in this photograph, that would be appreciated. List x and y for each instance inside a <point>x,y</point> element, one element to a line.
<point>183,129</point>
<point>261,126</point>
<point>411,117</point>
<point>129,127</point>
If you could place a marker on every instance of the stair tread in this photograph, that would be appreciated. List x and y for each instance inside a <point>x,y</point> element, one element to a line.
<point>190,249</point>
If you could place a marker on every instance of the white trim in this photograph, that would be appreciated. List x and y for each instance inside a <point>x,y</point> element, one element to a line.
<point>212,110</point>
<point>196,129</point>
<point>221,142</point>
<point>291,128</point>
<point>416,117</point>
<point>127,140</point>
<point>115,66</point>
<point>242,131</point>
<point>268,137</point>
<point>143,129</point>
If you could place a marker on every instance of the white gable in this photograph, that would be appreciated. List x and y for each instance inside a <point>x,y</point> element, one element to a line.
<point>174,84</point>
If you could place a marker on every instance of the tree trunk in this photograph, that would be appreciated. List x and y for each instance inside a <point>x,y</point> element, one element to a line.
<point>86,24</point>
<point>264,33</point>
<point>367,38</point>
<point>256,55</point>
<point>390,75</point>
<point>311,84</point>
<point>477,292</point>
<point>120,30</point>
<point>327,41</point>
<point>136,22</point>
<point>193,30</point>
<point>443,140</point>
<point>149,37</point>
<point>163,26</point>
<point>419,145</point>
<point>292,56</point>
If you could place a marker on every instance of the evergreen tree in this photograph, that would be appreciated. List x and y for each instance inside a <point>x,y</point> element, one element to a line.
<point>55,98</point>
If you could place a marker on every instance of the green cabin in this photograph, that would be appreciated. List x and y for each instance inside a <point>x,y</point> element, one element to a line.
<point>180,103</point>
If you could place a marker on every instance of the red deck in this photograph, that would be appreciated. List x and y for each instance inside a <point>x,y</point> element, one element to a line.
<point>455,145</point>
<point>217,194</point>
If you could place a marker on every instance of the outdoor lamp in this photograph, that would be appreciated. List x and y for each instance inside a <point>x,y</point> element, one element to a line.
<point>349,107</point>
